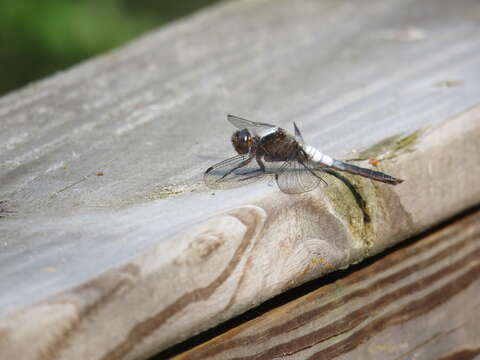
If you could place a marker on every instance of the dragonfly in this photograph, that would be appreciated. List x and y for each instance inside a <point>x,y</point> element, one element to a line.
<point>268,150</point>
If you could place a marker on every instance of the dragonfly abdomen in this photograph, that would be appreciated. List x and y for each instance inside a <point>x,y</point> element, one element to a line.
<point>317,156</point>
<point>371,174</point>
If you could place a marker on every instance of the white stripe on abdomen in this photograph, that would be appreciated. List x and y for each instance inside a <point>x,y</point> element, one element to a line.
<point>316,156</point>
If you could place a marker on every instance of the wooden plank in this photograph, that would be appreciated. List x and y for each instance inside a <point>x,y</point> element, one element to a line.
<point>145,256</point>
<point>419,302</point>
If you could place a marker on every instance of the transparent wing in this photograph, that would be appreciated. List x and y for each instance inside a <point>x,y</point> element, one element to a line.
<point>295,178</point>
<point>233,172</point>
<point>298,134</point>
<point>256,127</point>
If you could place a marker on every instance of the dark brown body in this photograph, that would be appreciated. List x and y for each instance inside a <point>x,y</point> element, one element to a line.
<point>278,146</point>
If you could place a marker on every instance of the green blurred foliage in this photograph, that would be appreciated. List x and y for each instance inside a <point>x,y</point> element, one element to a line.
<point>39,37</point>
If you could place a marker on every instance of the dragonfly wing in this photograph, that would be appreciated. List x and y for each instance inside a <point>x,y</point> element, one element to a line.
<point>295,178</point>
<point>256,127</point>
<point>298,134</point>
<point>233,172</point>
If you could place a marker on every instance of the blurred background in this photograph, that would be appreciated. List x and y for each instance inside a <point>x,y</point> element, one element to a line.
<point>40,37</point>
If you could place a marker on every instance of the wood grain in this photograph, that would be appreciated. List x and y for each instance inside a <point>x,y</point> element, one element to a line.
<point>417,302</point>
<point>123,265</point>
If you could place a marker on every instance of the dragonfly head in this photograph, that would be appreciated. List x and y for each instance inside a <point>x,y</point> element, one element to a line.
<point>242,141</point>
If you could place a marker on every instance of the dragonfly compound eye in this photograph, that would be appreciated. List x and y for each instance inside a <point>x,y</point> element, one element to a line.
<point>241,141</point>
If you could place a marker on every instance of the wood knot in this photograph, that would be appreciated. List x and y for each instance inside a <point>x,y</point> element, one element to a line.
<point>201,247</point>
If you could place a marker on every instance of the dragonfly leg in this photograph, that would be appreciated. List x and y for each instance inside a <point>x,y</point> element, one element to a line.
<point>260,162</point>
<point>255,172</point>
<point>242,164</point>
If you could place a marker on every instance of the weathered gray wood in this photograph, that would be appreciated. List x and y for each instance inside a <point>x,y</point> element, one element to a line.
<point>125,264</point>
<point>419,302</point>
